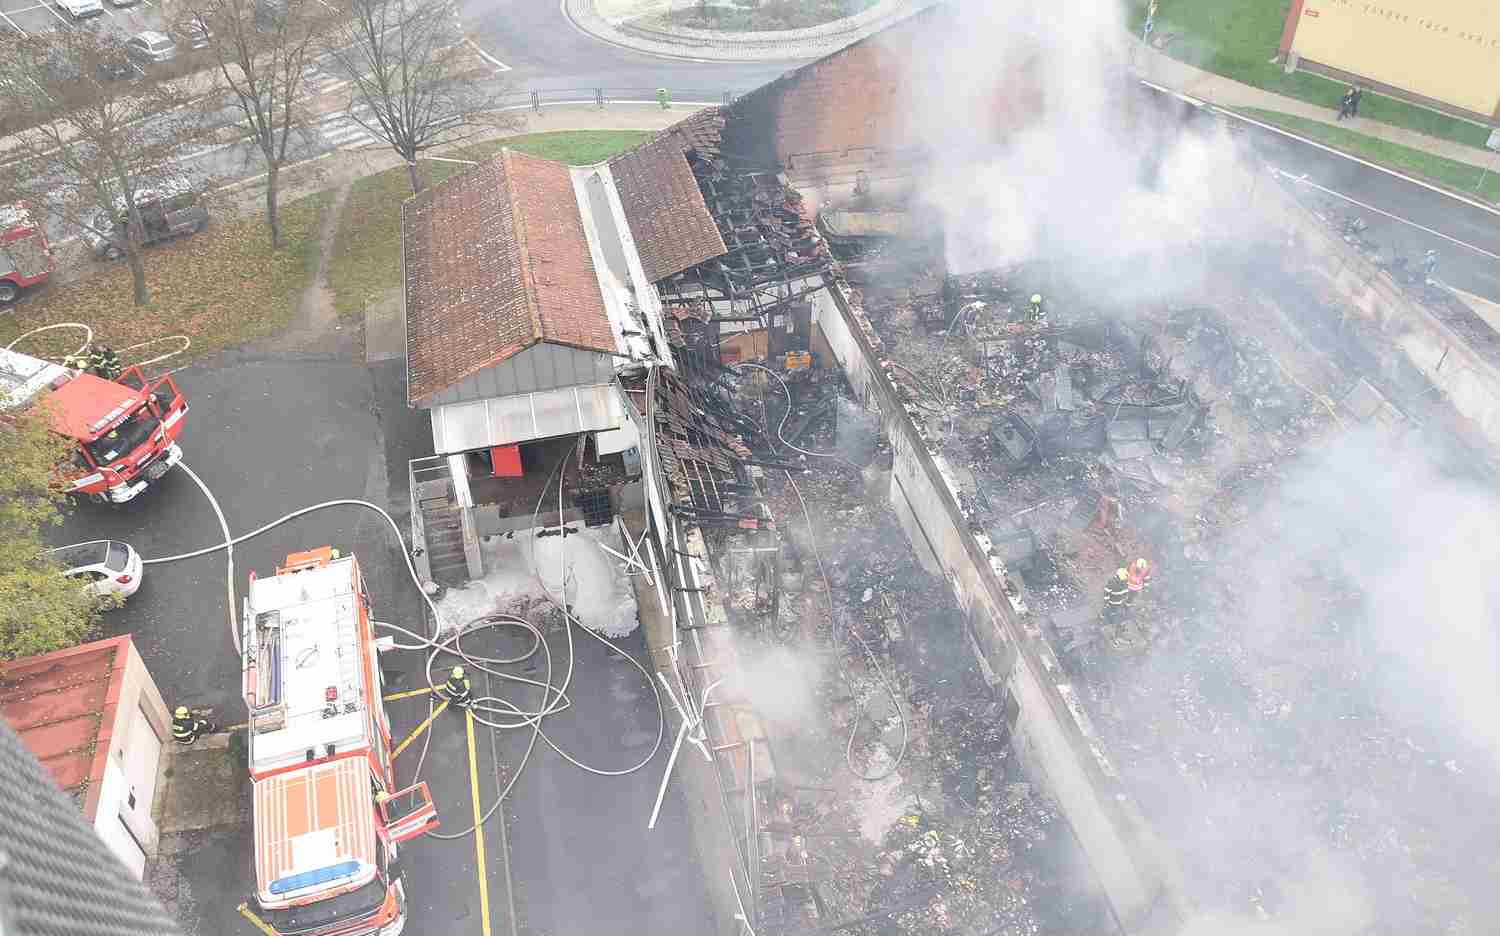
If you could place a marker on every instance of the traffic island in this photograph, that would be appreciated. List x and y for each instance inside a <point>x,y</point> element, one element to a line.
<point>640,25</point>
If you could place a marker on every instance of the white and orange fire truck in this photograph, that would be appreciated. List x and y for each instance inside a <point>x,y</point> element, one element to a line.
<point>124,431</point>
<point>328,820</point>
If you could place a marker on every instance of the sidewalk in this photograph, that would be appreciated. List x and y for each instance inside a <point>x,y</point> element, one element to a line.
<point>340,167</point>
<point>1157,67</point>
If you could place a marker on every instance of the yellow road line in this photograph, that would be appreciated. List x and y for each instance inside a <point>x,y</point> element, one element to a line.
<point>256,921</point>
<point>425,690</point>
<point>484,887</point>
<point>419,729</point>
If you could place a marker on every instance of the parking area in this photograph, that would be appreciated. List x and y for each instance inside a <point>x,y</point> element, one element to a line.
<point>29,17</point>
<point>569,851</point>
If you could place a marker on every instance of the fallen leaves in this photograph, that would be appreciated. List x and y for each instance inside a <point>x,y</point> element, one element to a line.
<point>221,287</point>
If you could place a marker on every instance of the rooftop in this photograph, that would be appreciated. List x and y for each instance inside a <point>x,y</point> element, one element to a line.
<point>672,226</point>
<point>62,704</point>
<point>496,260</point>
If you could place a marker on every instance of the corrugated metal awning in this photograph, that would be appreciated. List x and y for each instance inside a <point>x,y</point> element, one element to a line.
<point>462,427</point>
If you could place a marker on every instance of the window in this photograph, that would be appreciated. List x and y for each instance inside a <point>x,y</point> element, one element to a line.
<point>124,438</point>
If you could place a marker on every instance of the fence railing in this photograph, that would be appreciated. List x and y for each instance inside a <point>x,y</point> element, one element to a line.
<point>539,98</point>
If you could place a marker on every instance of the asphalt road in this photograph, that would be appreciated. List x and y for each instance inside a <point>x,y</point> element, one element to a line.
<point>34,16</point>
<point>545,51</point>
<point>1404,217</point>
<point>269,433</point>
<point>1452,227</point>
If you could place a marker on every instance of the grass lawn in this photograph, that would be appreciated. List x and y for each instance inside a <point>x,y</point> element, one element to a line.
<point>221,287</point>
<point>1454,175</point>
<point>769,15</point>
<point>1238,38</point>
<point>366,260</point>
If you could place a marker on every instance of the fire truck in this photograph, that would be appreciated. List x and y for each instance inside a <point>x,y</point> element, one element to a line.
<point>328,819</point>
<point>124,431</point>
<point>25,256</point>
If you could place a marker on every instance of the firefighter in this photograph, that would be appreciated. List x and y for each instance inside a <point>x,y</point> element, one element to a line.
<point>187,727</point>
<point>1138,577</point>
<point>457,689</point>
<point>1116,595</point>
<point>97,359</point>
<point>1038,314</point>
<point>106,363</point>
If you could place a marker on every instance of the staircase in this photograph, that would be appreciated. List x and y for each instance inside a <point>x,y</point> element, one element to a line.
<point>437,522</point>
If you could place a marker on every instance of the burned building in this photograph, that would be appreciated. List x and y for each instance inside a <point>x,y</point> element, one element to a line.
<point>887,492</point>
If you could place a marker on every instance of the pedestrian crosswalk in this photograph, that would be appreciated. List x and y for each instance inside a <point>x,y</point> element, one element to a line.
<point>318,81</point>
<point>345,134</point>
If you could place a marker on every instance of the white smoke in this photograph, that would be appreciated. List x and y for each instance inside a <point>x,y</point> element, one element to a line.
<point>1045,149</point>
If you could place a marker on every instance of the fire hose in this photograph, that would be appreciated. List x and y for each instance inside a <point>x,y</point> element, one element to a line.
<point>487,709</point>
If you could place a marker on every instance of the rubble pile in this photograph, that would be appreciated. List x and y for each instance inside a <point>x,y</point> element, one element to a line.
<point>882,819</point>
<point>1084,438</point>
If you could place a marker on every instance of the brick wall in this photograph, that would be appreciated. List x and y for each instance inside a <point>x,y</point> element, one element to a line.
<point>856,106</point>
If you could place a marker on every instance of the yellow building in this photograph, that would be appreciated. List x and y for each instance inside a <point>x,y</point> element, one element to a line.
<point>1445,52</point>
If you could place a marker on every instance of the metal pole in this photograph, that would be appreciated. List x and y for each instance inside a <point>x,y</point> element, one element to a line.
<point>667,776</point>
<point>1485,172</point>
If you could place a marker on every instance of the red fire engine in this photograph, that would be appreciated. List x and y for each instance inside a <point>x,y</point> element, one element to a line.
<point>327,817</point>
<point>125,430</point>
<point>25,256</point>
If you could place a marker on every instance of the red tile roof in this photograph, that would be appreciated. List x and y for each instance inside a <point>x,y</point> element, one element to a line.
<point>669,221</point>
<point>496,260</point>
<point>63,706</point>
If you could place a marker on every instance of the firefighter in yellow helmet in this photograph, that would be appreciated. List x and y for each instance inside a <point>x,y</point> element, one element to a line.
<point>188,727</point>
<point>1139,577</point>
<point>1038,314</point>
<point>457,689</point>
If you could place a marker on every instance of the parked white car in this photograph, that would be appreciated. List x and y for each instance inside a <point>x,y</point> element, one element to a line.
<point>103,567</point>
<point>81,9</point>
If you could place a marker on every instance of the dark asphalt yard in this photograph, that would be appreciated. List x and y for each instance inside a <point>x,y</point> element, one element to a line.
<point>271,433</point>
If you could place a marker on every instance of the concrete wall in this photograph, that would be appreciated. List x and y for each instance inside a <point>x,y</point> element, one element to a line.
<point>852,110</point>
<point>135,706</point>
<point>1051,732</point>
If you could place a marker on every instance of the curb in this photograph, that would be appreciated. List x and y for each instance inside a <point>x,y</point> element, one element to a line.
<point>714,45</point>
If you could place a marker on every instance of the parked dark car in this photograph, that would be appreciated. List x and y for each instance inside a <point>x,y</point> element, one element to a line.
<point>164,213</point>
<point>118,69</point>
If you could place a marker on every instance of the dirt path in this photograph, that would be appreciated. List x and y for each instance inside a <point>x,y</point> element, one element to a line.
<point>316,326</point>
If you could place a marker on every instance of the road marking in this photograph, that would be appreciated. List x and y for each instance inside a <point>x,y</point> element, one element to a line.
<point>484,886</point>
<point>419,729</point>
<point>1327,149</point>
<point>1303,180</point>
<point>341,130</point>
<point>24,34</point>
<point>54,13</point>
<point>499,65</point>
<point>510,884</point>
<point>256,921</point>
<point>208,149</point>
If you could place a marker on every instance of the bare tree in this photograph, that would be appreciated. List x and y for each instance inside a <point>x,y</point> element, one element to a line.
<point>417,82</point>
<point>98,133</point>
<point>263,51</point>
